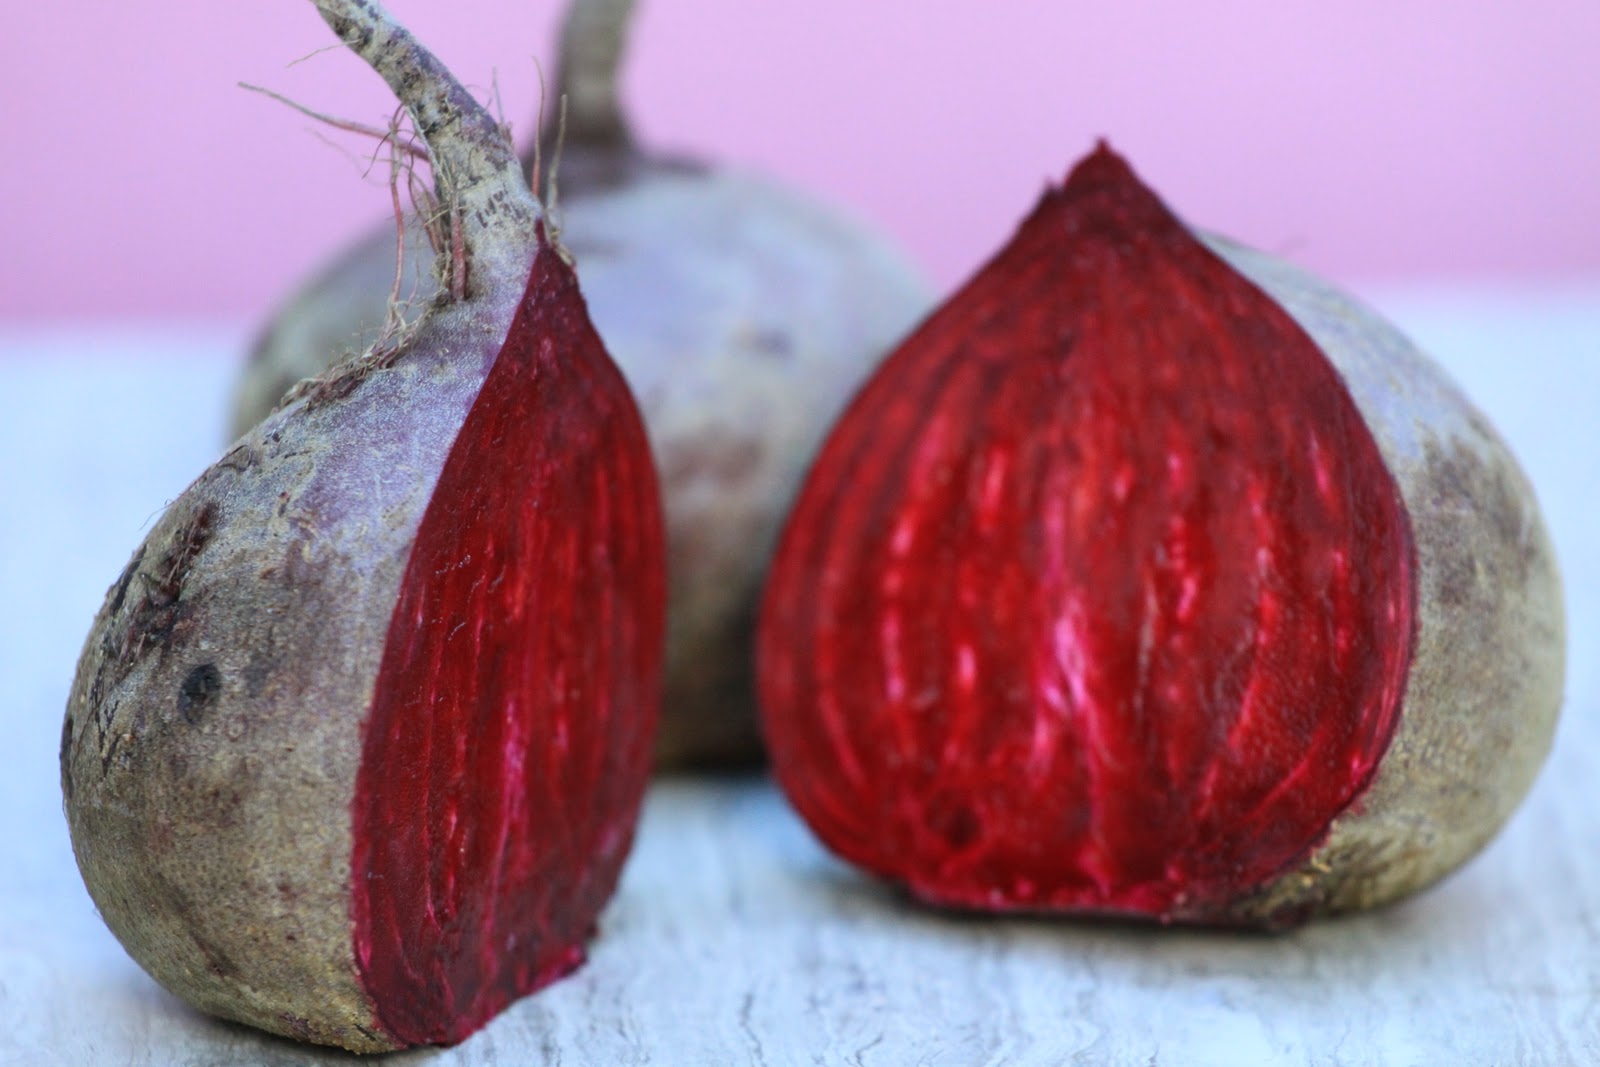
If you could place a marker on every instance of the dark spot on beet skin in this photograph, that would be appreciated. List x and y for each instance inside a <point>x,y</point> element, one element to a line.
<point>256,673</point>
<point>295,1025</point>
<point>187,543</point>
<point>159,612</point>
<point>120,589</point>
<point>66,757</point>
<point>198,692</point>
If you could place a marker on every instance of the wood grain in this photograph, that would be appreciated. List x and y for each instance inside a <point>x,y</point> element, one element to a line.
<point>734,938</point>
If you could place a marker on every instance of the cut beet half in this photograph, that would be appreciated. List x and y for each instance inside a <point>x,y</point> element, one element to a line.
<point>508,746</point>
<point>1100,597</point>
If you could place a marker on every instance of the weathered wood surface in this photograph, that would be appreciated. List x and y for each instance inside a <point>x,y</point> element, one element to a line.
<point>734,938</point>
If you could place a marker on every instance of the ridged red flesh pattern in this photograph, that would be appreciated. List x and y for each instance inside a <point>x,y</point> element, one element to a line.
<point>1099,597</point>
<point>508,745</point>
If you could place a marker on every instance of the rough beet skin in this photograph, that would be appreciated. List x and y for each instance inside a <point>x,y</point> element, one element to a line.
<point>358,741</point>
<point>1151,577</point>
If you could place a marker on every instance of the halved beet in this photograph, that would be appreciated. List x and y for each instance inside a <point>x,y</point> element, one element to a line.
<point>507,746</point>
<point>1151,578</point>
<point>742,312</point>
<point>358,741</point>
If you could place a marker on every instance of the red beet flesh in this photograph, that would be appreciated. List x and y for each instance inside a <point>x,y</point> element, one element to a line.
<point>1100,597</point>
<point>509,741</point>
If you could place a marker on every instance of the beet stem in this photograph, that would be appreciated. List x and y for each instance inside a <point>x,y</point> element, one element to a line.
<point>475,170</point>
<point>593,37</point>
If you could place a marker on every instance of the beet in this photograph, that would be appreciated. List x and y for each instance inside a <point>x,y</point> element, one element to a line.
<point>743,315</point>
<point>1151,577</point>
<point>358,741</point>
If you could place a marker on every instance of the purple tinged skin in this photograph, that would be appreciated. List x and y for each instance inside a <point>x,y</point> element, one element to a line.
<point>218,726</point>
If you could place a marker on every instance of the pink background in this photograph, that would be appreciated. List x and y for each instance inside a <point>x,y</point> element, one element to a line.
<point>1372,140</point>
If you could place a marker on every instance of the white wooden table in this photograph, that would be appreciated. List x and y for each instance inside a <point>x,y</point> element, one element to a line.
<point>734,937</point>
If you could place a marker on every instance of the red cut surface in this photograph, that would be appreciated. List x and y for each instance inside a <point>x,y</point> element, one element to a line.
<point>1100,596</point>
<point>508,746</point>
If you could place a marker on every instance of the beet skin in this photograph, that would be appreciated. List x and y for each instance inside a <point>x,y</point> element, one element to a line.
<point>358,741</point>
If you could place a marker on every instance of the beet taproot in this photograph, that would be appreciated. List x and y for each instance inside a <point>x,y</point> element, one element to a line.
<point>358,741</point>
<point>742,313</point>
<point>1152,577</point>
